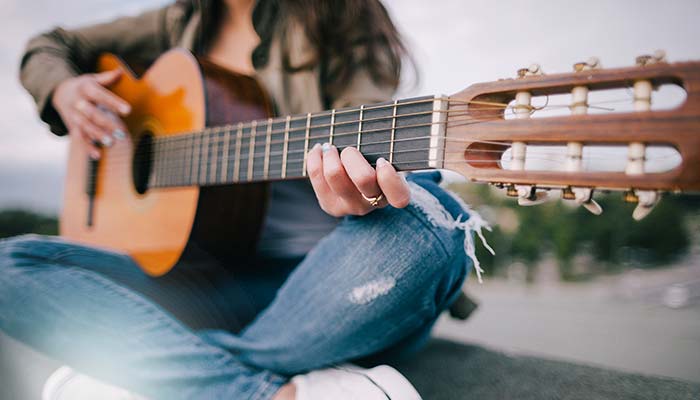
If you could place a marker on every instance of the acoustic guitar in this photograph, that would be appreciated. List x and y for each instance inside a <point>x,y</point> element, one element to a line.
<point>203,141</point>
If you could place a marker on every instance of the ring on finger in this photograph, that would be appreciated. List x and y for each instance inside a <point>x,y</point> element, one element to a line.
<point>373,201</point>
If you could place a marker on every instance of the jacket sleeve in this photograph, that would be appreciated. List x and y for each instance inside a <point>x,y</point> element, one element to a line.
<point>60,54</point>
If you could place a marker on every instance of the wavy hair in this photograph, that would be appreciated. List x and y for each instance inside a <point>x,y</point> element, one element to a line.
<point>348,35</point>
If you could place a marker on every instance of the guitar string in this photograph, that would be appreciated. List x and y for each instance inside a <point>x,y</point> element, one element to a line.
<point>245,156</point>
<point>260,177</point>
<point>186,143</point>
<point>230,128</point>
<point>558,158</point>
<point>272,154</point>
<point>551,157</point>
<point>452,102</point>
<point>280,154</point>
<point>184,139</point>
<point>558,161</point>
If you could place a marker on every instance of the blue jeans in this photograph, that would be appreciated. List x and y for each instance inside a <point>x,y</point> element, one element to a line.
<point>371,288</point>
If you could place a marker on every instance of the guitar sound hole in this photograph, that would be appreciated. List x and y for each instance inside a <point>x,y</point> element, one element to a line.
<point>142,162</point>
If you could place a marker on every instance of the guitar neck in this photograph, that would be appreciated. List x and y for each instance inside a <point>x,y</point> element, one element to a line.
<point>408,133</point>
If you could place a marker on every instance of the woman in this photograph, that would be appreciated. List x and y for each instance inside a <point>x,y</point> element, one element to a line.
<point>319,292</point>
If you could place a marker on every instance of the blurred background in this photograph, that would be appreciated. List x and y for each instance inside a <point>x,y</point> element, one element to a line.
<point>563,284</point>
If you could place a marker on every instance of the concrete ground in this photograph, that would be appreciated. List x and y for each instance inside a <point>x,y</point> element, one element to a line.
<point>625,322</point>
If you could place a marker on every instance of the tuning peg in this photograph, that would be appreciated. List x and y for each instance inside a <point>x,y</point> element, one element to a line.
<point>591,63</point>
<point>646,201</point>
<point>646,59</point>
<point>584,198</point>
<point>537,198</point>
<point>593,207</point>
<point>529,196</point>
<point>533,69</point>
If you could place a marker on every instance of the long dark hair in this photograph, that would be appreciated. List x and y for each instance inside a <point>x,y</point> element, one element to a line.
<point>348,35</point>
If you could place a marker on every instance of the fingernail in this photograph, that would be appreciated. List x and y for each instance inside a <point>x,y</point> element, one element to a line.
<point>95,155</point>
<point>125,108</point>
<point>316,146</point>
<point>107,141</point>
<point>119,134</point>
<point>381,162</point>
<point>326,146</point>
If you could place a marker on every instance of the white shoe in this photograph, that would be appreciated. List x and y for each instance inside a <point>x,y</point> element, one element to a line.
<point>348,382</point>
<point>66,384</point>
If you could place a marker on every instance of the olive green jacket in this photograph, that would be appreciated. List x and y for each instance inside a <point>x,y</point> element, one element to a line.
<point>60,54</point>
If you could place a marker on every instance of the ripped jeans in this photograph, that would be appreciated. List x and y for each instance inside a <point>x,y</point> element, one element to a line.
<point>371,289</point>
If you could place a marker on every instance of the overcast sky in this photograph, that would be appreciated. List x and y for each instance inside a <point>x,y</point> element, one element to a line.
<point>455,43</point>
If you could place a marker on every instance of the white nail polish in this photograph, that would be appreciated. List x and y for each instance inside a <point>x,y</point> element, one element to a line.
<point>107,141</point>
<point>326,146</point>
<point>119,134</point>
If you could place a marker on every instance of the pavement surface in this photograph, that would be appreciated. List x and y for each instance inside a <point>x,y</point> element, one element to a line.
<point>644,322</point>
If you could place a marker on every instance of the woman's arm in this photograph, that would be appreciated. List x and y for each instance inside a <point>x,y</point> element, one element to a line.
<point>56,56</point>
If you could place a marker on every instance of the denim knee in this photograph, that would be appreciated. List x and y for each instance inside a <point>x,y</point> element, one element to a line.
<point>15,249</point>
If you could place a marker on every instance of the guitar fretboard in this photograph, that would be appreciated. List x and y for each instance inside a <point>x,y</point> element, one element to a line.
<point>404,132</point>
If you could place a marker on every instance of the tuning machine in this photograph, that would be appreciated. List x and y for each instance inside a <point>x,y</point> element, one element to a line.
<point>591,63</point>
<point>528,195</point>
<point>583,197</point>
<point>533,69</point>
<point>646,201</point>
<point>574,150</point>
<point>647,59</point>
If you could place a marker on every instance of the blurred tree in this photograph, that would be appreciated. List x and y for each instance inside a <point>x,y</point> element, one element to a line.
<point>614,240</point>
<point>17,222</point>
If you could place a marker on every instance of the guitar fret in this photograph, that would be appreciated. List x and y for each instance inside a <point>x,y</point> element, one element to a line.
<point>224,156</point>
<point>393,133</point>
<point>330,139</point>
<point>359,127</point>
<point>191,174</point>
<point>251,150</point>
<point>204,150</point>
<point>166,159</point>
<point>159,165</point>
<point>156,163</point>
<point>214,157</point>
<point>195,167</point>
<point>266,163</point>
<point>237,161</point>
<point>177,165</point>
<point>176,161</point>
<point>285,147</point>
<point>306,143</point>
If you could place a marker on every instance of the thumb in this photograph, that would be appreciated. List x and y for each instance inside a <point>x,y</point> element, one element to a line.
<point>107,78</point>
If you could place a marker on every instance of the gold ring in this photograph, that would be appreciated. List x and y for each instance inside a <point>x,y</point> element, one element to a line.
<point>373,201</point>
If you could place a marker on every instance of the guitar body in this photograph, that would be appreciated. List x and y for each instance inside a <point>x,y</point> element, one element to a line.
<point>177,94</point>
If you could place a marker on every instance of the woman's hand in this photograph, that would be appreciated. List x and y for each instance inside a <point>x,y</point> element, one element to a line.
<point>89,110</point>
<point>344,182</point>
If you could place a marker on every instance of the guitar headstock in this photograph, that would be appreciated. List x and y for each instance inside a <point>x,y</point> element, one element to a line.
<point>496,133</point>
